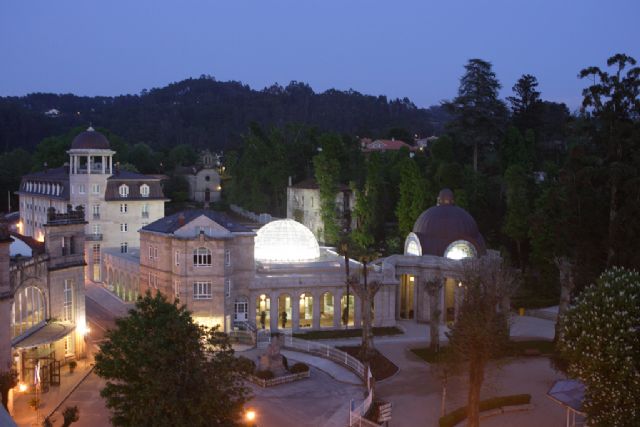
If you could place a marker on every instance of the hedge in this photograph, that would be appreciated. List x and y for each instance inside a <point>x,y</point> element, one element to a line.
<point>454,417</point>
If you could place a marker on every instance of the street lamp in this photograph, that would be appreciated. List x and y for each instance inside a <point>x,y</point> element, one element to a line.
<point>250,417</point>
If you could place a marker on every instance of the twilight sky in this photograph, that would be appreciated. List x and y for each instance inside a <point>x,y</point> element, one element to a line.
<point>398,48</point>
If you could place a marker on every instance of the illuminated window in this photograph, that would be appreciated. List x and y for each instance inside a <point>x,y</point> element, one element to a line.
<point>460,249</point>
<point>68,301</point>
<point>202,257</point>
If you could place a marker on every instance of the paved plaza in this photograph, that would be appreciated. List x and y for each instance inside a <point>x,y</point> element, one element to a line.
<point>323,399</point>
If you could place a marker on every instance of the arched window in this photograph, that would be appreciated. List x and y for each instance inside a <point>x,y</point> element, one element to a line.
<point>460,249</point>
<point>28,310</point>
<point>123,190</point>
<point>144,190</point>
<point>201,257</point>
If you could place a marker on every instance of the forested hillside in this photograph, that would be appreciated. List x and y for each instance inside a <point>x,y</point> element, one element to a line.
<point>204,112</point>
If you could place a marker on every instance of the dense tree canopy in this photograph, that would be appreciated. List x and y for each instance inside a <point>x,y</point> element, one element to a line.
<point>601,344</point>
<point>164,370</point>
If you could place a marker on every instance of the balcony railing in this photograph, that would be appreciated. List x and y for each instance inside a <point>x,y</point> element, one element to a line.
<point>94,237</point>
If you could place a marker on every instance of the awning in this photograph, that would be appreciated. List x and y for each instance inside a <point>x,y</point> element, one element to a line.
<point>51,332</point>
<point>568,393</point>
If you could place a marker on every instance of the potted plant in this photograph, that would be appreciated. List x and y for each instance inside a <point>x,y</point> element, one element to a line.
<point>72,366</point>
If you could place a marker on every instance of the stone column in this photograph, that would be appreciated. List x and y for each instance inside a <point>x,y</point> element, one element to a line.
<point>88,167</point>
<point>357,312</point>
<point>252,311</point>
<point>295,311</point>
<point>274,312</point>
<point>316,310</point>
<point>337,308</point>
<point>104,164</point>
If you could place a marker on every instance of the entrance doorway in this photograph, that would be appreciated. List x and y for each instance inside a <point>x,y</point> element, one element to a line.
<point>241,311</point>
<point>407,289</point>
<point>207,195</point>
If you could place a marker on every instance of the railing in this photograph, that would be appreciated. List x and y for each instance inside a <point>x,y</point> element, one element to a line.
<point>94,237</point>
<point>357,414</point>
<point>279,380</point>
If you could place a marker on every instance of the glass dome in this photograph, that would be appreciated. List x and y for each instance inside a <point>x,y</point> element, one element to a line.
<point>460,249</point>
<point>286,240</point>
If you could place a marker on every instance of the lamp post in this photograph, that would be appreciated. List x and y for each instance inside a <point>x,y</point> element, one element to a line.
<point>250,417</point>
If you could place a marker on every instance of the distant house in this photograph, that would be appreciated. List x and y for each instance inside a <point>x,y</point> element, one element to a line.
<point>203,178</point>
<point>425,143</point>
<point>303,205</point>
<point>368,146</point>
<point>54,112</point>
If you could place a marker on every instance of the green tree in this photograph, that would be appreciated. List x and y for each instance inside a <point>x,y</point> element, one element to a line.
<point>478,113</point>
<point>327,171</point>
<point>525,105</point>
<point>70,415</point>
<point>162,369</point>
<point>13,165</point>
<point>180,155</point>
<point>144,158</point>
<point>369,209</point>
<point>516,222</point>
<point>413,195</point>
<point>601,344</point>
<point>613,100</point>
<point>481,331</point>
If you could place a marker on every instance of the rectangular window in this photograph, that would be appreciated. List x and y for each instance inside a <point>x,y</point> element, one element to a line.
<point>68,301</point>
<point>153,280</point>
<point>150,252</point>
<point>176,289</point>
<point>96,253</point>
<point>97,229</point>
<point>202,290</point>
<point>145,211</point>
<point>123,208</point>
<point>95,188</point>
<point>81,188</point>
<point>227,288</point>
<point>124,227</point>
<point>227,257</point>
<point>177,258</point>
<point>96,211</point>
<point>124,247</point>
<point>202,257</point>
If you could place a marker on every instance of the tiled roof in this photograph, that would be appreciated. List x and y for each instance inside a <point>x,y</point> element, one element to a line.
<point>171,223</point>
<point>386,144</point>
<point>134,181</point>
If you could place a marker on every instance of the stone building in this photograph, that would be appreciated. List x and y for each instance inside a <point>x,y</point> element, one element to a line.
<point>42,305</point>
<point>303,205</point>
<point>117,203</point>
<point>203,178</point>
<point>280,278</point>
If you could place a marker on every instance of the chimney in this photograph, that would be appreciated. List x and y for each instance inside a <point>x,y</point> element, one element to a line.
<point>181,219</point>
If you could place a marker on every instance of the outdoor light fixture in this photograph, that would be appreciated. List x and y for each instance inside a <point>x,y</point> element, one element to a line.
<point>250,415</point>
<point>22,387</point>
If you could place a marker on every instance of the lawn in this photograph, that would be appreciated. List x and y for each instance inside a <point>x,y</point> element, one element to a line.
<point>346,333</point>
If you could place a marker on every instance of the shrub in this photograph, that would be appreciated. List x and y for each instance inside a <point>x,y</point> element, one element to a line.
<point>246,365</point>
<point>454,417</point>
<point>299,368</point>
<point>264,375</point>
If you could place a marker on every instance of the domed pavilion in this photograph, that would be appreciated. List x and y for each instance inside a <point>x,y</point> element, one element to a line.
<point>442,236</point>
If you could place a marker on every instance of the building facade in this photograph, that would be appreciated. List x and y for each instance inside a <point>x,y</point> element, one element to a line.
<point>203,178</point>
<point>116,203</point>
<point>42,305</point>
<point>280,278</point>
<point>303,205</point>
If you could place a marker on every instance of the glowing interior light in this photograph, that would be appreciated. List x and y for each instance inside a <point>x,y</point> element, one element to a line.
<point>40,237</point>
<point>286,240</point>
<point>459,250</point>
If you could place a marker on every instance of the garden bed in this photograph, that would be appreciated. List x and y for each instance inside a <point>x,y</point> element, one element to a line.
<point>347,333</point>
<point>381,367</point>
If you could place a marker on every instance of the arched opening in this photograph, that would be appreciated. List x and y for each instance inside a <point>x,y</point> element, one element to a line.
<point>326,310</point>
<point>306,311</point>
<point>29,310</point>
<point>263,311</point>
<point>284,311</point>
<point>347,318</point>
<point>407,292</point>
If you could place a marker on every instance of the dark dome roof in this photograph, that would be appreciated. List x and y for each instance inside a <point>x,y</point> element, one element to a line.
<point>441,225</point>
<point>90,139</point>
